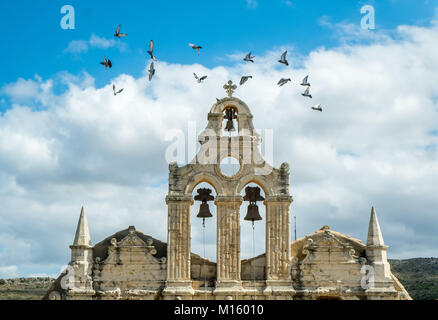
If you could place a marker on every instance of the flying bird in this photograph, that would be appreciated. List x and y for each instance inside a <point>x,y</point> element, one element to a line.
<point>118,34</point>
<point>116,92</point>
<point>282,81</point>
<point>106,63</point>
<point>151,50</point>
<point>199,79</point>
<point>283,58</point>
<point>244,79</point>
<point>195,47</point>
<point>151,71</point>
<point>305,83</point>
<point>249,58</point>
<point>218,100</point>
<point>317,108</point>
<point>306,93</point>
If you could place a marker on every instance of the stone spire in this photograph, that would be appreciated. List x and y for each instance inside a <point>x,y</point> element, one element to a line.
<point>82,260</point>
<point>82,237</point>
<point>381,280</point>
<point>375,237</point>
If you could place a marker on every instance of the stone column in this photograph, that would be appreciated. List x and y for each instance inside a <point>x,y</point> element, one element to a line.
<point>278,276</point>
<point>178,246</point>
<point>228,244</point>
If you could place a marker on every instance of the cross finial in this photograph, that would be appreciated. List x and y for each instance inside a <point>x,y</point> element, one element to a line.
<point>230,87</point>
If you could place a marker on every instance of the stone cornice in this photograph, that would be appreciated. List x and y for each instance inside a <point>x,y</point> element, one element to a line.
<point>279,198</point>
<point>175,198</point>
<point>221,199</point>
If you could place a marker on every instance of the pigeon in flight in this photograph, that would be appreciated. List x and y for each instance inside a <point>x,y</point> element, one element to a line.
<point>218,100</point>
<point>199,79</point>
<point>151,71</point>
<point>244,79</point>
<point>283,81</point>
<point>305,83</point>
<point>118,34</point>
<point>116,92</point>
<point>306,93</point>
<point>195,47</point>
<point>151,50</point>
<point>106,63</point>
<point>317,108</point>
<point>283,58</point>
<point>249,58</point>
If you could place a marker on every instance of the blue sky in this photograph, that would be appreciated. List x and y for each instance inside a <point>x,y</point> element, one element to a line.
<point>66,141</point>
<point>35,43</point>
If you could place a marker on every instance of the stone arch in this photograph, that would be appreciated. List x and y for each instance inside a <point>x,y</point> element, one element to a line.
<point>202,261</point>
<point>240,106</point>
<point>246,233</point>
<point>257,179</point>
<point>203,177</point>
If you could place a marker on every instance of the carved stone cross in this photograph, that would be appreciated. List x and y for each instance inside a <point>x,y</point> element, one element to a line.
<point>230,87</point>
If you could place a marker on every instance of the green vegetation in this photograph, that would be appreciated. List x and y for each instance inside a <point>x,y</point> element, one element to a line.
<point>24,288</point>
<point>419,276</point>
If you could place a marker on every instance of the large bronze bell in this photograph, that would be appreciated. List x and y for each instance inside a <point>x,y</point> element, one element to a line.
<point>204,211</point>
<point>253,213</point>
<point>204,196</point>
<point>252,194</point>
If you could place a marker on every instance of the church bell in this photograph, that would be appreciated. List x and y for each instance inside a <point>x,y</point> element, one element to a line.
<point>253,213</point>
<point>252,194</point>
<point>204,210</point>
<point>229,126</point>
<point>230,114</point>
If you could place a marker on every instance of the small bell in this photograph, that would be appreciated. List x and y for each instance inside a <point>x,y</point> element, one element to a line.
<point>229,126</point>
<point>230,114</point>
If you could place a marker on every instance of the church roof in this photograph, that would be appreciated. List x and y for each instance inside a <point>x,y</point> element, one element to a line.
<point>101,249</point>
<point>298,245</point>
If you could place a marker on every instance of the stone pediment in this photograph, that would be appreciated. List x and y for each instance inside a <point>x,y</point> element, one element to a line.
<point>132,248</point>
<point>327,246</point>
<point>131,240</point>
<point>326,239</point>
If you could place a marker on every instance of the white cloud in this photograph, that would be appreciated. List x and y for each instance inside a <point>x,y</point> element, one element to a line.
<point>252,3</point>
<point>82,46</point>
<point>22,89</point>
<point>8,272</point>
<point>353,33</point>
<point>372,145</point>
<point>288,3</point>
<point>77,46</point>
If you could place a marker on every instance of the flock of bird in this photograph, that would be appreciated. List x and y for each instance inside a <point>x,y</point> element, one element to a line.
<point>248,58</point>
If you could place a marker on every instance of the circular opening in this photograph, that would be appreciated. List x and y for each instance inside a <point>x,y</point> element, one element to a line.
<point>229,166</point>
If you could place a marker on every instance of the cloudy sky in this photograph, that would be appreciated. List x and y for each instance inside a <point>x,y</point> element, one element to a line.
<point>67,141</point>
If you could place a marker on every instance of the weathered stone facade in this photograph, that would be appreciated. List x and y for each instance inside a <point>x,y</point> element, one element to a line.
<point>323,265</point>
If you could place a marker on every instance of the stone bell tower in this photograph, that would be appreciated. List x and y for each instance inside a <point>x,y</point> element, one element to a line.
<point>205,167</point>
